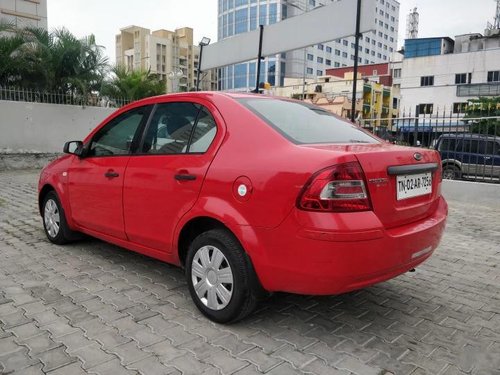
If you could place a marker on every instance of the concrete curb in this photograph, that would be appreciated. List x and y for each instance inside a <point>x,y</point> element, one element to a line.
<point>17,161</point>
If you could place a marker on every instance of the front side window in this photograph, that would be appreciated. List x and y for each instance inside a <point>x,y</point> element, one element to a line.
<point>303,123</point>
<point>117,137</point>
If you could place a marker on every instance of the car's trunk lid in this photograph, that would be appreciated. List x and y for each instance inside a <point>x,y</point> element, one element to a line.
<point>389,168</point>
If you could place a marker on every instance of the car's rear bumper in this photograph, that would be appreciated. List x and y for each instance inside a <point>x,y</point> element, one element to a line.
<point>298,259</point>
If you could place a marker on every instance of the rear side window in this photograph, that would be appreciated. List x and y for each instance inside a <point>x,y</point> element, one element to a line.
<point>303,123</point>
<point>447,144</point>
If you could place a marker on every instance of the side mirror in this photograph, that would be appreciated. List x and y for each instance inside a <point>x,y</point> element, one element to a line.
<point>74,148</point>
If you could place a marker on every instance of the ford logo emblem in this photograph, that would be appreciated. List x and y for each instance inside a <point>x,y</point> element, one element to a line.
<point>417,156</point>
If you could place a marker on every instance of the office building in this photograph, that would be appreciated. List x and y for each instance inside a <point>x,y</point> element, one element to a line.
<point>240,16</point>
<point>169,54</point>
<point>24,13</point>
<point>439,75</point>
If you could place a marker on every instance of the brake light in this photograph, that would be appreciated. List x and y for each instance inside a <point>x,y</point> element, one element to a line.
<point>340,188</point>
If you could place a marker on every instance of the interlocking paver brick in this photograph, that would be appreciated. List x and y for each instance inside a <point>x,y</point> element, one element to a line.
<point>97,300</point>
<point>54,359</point>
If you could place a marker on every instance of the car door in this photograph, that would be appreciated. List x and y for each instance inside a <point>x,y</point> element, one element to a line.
<point>96,179</point>
<point>163,181</point>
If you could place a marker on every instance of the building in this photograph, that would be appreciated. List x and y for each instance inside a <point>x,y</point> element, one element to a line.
<point>170,54</point>
<point>24,13</point>
<point>376,103</point>
<point>439,75</point>
<point>239,16</point>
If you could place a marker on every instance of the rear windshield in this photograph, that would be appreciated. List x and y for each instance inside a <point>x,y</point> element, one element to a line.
<point>304,123</point>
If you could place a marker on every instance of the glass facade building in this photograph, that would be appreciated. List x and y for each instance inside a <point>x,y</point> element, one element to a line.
<point>240,16</point>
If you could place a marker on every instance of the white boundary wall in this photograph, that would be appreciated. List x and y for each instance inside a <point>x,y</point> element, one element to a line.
<point>44,128</point>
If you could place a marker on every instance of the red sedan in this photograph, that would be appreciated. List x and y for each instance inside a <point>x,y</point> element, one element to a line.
<point>249,194</point>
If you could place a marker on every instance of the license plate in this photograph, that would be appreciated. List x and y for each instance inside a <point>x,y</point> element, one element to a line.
<point>413,185</point>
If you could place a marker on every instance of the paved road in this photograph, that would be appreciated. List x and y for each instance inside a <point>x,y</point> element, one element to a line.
<point>94,308</point>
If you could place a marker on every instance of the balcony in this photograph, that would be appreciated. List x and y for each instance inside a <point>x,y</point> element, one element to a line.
<point>479,89</point>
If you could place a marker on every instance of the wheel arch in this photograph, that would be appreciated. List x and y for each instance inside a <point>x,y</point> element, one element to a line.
<point>451,162</point>
<point>41,195</point>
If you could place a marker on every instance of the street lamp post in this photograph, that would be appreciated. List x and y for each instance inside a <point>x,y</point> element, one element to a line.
<point>355,70</point>
<point>204,42</point>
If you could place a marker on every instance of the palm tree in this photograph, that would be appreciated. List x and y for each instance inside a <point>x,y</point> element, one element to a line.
<point>132,85</point>
<point>57,61</point>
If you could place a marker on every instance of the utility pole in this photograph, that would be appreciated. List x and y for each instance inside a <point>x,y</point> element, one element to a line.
<point>356,55</point>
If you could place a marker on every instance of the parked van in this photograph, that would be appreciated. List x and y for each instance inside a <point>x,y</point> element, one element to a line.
<point>469,156</point>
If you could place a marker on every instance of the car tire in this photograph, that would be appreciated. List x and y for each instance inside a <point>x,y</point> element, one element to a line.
<point>451,172</point>
<point>54,220</point>
<point>219,276</point>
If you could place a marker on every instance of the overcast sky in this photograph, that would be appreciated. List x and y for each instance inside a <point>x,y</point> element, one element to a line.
<point>105,18</point>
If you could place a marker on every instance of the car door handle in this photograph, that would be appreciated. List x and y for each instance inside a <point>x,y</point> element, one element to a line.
<point>111,174</point>
<point>185,177</point>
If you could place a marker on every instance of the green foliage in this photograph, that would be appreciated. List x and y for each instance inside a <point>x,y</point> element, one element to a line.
<point>35,59</point>
<point>132,85</point>
<point>484,107</point>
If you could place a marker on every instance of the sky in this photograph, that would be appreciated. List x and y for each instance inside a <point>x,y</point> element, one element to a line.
<point>105,18</point>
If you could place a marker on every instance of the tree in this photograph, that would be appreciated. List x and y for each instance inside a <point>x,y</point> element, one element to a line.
<point>32,58</point>
<point>479,110</point>
<point>132,85</point>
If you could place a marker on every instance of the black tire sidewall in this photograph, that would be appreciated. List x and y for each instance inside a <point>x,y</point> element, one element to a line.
<point>60,238</point>
<point>234,254</point>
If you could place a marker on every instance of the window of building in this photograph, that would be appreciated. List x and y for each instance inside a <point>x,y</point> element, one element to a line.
<point>273,13</point>
<point>337,52</point>
<point>366,61</point>
<point>319,60</point>
<point>367,50</point>
<point>310,57</point>
<point>328,62</point>
<point>384,57</point>
<point>319,72</point>
<point>393,7</point>
<point>393,19</point>
<point>391,39</point>
<point>253,18</point>
<point>494,76</point>
<point>374,42</point>
<point>425,109</point>
<point>427,81</point>
<point>373,53</point>
<point>309,70</point>
<point>312,3</point>
<point>238,3</point>
<point>392,28</point>
<point>336,64</point>
<point>344,54</point>
<point>262,14</point>
<point>391,49</point>
<point>385,47</point>
<point>328,49</point>
<point>379,55</point>
<point>353,45</point>
<point>379,44</point>
<point>380,23</point>
<point>386,37</point>
<point>345,42</point>
<point>380,34</point>
<point>321,47</point>
<point>396,73</point>
<point>367,39</point>
<point>352,57</point>
<point>241,21</point>
<point>381,12</point>
<point>459,107</point>
<point>460,78</point>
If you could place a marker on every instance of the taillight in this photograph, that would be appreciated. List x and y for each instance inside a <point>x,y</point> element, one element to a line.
<point>340,188</point>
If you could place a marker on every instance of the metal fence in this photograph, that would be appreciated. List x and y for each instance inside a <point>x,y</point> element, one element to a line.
<point>35,96</point>
<point>469,146</point>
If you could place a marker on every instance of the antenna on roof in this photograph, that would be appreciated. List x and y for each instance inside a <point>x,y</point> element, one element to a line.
<point>412,24</point>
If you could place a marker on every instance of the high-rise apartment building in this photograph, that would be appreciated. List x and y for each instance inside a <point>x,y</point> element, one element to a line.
<point>239,16</point>
<point>170,54</point>
<point>24,13</point>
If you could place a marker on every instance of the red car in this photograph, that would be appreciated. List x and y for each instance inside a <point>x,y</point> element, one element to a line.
<point>249,194</point>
